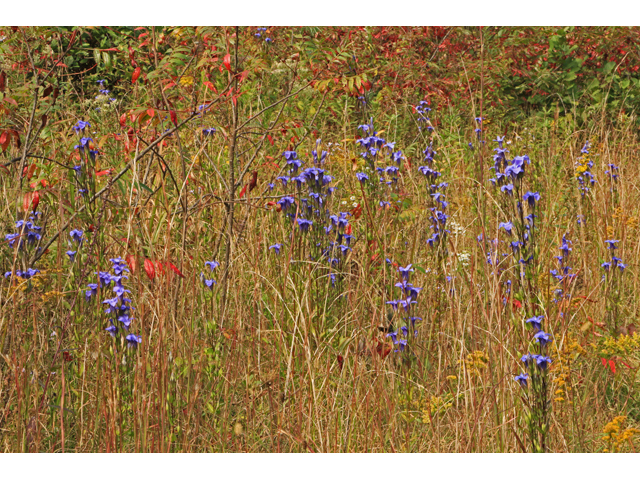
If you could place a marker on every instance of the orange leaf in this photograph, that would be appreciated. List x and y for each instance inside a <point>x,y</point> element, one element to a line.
<point>132,262</point>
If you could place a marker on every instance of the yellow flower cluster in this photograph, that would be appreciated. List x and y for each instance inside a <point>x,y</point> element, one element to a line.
<point>437,406</point>
<point>475,362</point>
<point>624,346</point>
<point>570,351</point>
<point>616,438</point>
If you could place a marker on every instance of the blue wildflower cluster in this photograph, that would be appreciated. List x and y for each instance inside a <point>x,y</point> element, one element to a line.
<point>438,202</point>
<point>405,307</point>
<point>613,174</point>
<point>509,175</point>
<point>562,274</point>
<point>104,93</point>
<point>615,262</point>
<point>536,399</point>
<point>87,159</point>
<point>422,109</point>
<point>27,234</point>
<point>377,150</point>
<point>306,202</point>
<point>209,282</point>
<point>260,33</point>
<point>117,306</point>
<point>586,179</point>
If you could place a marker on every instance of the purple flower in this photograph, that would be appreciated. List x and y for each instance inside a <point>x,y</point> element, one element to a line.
<point>508,226</point>
<point>209,283</point>
<point>401,345</point>
<point>611,244</point>
<point>531,198</point>
<point>527,359</point>
<point>76,235</point>
<point>362,177</point>
<point>542,362</point>
<point>71,255</point>
<point>304,224</point>
<point>80,126</point>
<point>405,271</point>
<point>212,264</point>
<point>125,320</point>
<point>133,340</point>
<point>522,379</point>
<point>542,338</point>
<point>112,329</point>
<point>208,132</point>
<point>276,247</point>
<point>535,322</point>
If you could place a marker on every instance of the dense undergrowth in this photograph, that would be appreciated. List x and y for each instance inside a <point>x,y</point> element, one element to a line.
<point>327,240</point>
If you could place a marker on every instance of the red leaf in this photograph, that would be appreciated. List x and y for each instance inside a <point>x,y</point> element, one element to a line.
<point>3,81</point>
<point>175,269</point>
<point>604,362</point>
<point>243,191</point>
<point>123,120</point>
<point>26,201</point>
<point>340,361</point>
<point>136,74</point>
<point>612,365</point>
<point>149,269</point>
<point>254,180</point>
<point>151,112</point>
<point>132,262</point>
<point>174,117</point>
<point>35,201</point>
<point>270,139</point>
<point>4,140</point>
<point>160,268</point>
<point>227,62</point>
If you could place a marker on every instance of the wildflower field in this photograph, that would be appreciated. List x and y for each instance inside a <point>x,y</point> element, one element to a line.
<point>275,239</point>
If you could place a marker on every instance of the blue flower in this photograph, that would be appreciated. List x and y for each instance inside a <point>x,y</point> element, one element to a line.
<point>112,329</point>
<point>405,271</point>
<point>611,244</point>
<point>542,338</point>
<point>522,379</point>
<point>71,255</point>
<point>125,320</point>
<point>212,264</point>
<point>80,126</point>
<point>276,247</point>
<point>133,340</point>
<point>527,359</point>
<point>508,226</point>
<point>362,177</point>
<point>76,235</point>
<point>542,362</point>
<point>304,224</point>
<point>535,322</point>
<point>208,132</point>
<point>531,198</point>
<point>209,283</point>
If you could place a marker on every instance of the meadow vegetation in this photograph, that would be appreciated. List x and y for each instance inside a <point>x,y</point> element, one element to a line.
<point>273,239</point>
